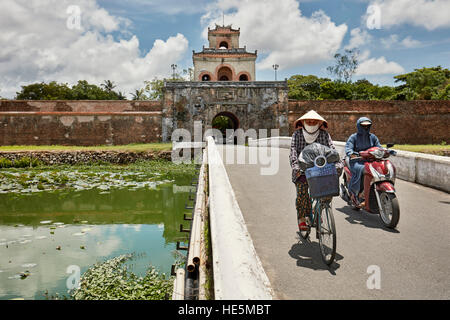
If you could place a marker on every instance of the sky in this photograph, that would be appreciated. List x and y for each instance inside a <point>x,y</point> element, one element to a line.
<point>132,41</point>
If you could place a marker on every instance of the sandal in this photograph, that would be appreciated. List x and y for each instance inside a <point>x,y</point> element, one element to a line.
<point>303,226</point>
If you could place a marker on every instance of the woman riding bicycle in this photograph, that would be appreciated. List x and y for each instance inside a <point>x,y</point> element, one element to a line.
<point>309,128</point>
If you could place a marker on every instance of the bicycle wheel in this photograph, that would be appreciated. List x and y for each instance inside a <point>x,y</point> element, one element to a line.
<point>327,233</point>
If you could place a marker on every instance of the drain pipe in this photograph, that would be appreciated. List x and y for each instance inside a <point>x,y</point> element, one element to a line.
<point>193,258</point>
<point>178,286</point>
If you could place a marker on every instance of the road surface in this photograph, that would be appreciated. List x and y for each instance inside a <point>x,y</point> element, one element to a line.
<point>411,262</point>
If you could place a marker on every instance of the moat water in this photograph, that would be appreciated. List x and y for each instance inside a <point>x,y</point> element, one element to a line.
<point>45,235</point>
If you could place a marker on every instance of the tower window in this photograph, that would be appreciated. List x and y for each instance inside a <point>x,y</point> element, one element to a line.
<point>206,77</point>
<point>243,77</point>
<point>223,45</point>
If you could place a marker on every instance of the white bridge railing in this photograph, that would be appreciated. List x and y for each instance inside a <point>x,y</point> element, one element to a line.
<point>238,272</point>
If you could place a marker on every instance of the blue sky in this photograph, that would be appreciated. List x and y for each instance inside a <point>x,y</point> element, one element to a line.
<point>131,41</point>
<point>430,47</point>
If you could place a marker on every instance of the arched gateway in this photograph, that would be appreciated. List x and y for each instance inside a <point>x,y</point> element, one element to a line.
<point>248,104</point>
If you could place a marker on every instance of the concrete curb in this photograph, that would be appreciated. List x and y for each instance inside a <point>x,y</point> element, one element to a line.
<point>426,169</point>
<point>238,272</point>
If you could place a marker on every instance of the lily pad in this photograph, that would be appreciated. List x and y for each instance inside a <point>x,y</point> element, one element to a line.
<point>29,265</point>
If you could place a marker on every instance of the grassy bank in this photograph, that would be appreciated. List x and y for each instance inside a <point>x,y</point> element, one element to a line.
<point>128,148</point>
<point>436,149</point>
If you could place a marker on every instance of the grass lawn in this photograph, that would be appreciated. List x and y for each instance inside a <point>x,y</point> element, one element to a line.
<point>436,149</point>
<point>128,147</point>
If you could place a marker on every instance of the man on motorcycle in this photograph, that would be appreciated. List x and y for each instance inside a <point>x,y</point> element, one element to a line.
<point>359,141</point>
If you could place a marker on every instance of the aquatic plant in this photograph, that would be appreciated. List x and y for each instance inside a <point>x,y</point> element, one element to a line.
<point>111,280</point>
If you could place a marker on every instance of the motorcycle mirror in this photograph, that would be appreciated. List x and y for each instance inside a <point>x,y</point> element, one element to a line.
<point>390,145</point>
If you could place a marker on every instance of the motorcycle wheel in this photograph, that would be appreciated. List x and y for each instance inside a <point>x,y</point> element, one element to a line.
<point>390,215</point>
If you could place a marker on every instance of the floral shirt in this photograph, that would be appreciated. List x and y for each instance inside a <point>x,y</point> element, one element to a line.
<point>298,143</point>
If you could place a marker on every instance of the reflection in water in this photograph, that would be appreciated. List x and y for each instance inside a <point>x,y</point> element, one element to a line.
<point>47,232</point>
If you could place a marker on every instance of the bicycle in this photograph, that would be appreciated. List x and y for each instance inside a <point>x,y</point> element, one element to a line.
<point>325,231</point>
<point>323,185</point>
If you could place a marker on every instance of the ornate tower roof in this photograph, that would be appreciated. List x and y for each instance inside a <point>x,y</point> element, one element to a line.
<point>224,58</point>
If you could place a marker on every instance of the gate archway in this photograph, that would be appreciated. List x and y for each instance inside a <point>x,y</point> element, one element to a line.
<point>223,121</point>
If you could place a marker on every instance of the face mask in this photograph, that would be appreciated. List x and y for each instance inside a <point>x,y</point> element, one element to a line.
<point>311,129</point>
<point>366,128</point>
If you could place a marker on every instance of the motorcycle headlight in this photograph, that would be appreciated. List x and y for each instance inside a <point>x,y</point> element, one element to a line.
<point>378,154</point>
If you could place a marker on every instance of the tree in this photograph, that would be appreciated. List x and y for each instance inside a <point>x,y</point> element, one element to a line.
<point>154,89</point>
<point>85,91</point>
<point>423,84</point>
<point>55,91</point>
<point>345,65</point>
<point>305,87</point>
<point>43,91</point>
<point>335,90</point>
<point>443,94</point>
<point>108,85</point>
<point>139,95</point>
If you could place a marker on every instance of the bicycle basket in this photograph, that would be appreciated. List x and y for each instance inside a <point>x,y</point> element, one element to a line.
<point>323,181</point>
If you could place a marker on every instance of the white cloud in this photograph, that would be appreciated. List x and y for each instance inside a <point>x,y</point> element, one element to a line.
<point>393,41</point>
<point>375,66</point>
<point>38,46</point>
<point>358,38</point>
<point>279,31</point>
<point>409,42</point>
<point>424,13</point>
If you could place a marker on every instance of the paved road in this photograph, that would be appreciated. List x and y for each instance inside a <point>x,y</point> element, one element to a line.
<point>414,260</point>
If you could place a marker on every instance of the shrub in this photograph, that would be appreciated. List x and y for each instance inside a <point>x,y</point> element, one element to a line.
<point>5,163</point>
<point>26,162</point>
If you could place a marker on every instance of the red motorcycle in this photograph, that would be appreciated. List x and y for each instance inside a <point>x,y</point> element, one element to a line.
<point>378,185</point>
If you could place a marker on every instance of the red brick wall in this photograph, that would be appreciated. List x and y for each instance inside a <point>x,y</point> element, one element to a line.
<point>79,122</point>
<point>124,122</point>
<point>406,122</point>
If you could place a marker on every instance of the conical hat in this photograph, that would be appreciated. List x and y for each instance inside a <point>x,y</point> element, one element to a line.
<point>311,115</point>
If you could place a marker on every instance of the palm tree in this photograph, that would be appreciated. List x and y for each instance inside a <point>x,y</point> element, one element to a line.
<point>121,96</point>
<point>138,94</point>
<point>108,85</point>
